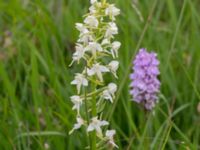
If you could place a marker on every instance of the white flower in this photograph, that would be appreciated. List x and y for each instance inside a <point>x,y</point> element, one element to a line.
<point>92,9</point>
<point>111,30</point>
<point>79,81</point>
<point>105,42</point>
<point>79,53</point>
<point>112,88</point>
<point>93,1</point>
<point>77,101</point>
<point>95,5</point>
<point>78,125</point>
<point>115,47</point>
<point>85,38</point>
<point>113,66</point>
<point>81,28</point>
<point>96,125</point>
<point>112,11</point>
<point>109,135</point>
<point>109,93</point>
<point>94,47</point>
<point>91,21</point>
<point>106,95</point>
<point>98,70</point>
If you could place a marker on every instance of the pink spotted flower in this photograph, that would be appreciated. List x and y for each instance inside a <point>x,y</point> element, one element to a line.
<point>145,85</point>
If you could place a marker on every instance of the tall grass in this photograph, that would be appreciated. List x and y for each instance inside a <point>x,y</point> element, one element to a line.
<point>36,43</point>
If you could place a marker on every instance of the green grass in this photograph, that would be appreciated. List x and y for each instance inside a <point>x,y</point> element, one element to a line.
<point>37,40</point>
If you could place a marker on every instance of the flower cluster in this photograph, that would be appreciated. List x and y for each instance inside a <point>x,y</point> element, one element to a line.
<point>97,49</point>
<point>145,85</point>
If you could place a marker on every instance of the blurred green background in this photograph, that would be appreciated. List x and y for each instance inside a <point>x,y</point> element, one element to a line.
<point>37,39</point>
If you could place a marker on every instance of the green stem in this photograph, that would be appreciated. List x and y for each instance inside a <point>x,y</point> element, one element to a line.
<point>94,110</point>
<point>86,108</point>
<point>94,113</point>
<point>145,131</point>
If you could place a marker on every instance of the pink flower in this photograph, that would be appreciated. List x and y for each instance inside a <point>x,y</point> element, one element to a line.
<point>145,86</point>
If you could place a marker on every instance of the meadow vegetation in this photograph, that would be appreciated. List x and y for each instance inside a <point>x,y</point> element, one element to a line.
<point>37,40</point>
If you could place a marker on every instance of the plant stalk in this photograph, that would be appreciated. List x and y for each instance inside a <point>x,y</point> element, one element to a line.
<point>94,113</point>
<point>86,109</point>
